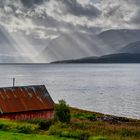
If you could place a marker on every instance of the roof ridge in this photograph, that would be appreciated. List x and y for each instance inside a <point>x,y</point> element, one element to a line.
<point>22,86</point>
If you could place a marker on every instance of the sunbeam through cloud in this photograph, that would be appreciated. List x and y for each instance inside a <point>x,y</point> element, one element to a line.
<point>29,28</point>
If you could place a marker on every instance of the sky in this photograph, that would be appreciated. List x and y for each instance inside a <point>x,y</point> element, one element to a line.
<point>46,19</point>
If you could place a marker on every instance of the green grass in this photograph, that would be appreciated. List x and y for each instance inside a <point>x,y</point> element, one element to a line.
<point>98,138</point>
<point>84,125</point>
<point>84,116</point>
<point>17,136</point>
<point>21,127</point>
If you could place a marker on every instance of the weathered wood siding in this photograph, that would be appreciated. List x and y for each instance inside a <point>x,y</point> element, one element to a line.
<point>29,115</point>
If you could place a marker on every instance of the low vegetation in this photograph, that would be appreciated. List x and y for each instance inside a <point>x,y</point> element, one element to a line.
<point>81,125</point>
<point>19,136</point>
<point>18,127</point>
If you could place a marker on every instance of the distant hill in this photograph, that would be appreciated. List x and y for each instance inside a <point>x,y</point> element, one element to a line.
<point>78,45</point>
<point>66,46</point>
<point>112,58</point>
<point>119,38</point>
<point>73,46</point>
<point>131,48</point>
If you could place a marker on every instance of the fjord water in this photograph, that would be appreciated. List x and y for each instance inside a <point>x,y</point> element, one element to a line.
<point>107,88</point>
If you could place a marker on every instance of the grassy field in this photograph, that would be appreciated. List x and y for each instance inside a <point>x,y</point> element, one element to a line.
<point>18,136</point>
<point>84,125</point>
<point>110,127</point>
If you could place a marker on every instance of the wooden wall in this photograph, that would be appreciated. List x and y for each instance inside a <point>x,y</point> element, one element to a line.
<point>29,115</point>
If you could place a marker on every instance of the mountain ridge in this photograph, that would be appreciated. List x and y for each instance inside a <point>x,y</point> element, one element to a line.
<point>78,45</point>
<point>112,58</point>
<point>133,47</point>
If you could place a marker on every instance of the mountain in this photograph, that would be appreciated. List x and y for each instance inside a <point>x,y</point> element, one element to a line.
<point>117,39</point>
<point>131,48</point>
<point>73,46</point>
<point>78,45</point>
<point>20,47</point>
<point>112,58</point>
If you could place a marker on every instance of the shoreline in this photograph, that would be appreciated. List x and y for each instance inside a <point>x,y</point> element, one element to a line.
<point>104,117</point>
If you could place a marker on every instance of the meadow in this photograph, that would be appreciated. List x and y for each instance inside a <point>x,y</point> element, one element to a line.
<point>84,125</point>
<point>18,136</point>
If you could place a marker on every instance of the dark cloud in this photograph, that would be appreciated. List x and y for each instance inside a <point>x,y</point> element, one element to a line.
<point>112,11</point>
<point>77,9</point>
<point>136,18</point>
<point>71,6</point>
<point>30,3</point>
<point>69,14</point>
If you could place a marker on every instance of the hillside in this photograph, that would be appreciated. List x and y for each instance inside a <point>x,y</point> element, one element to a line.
<point>112,58</point>
<point>131,48</point>
<point>79,45</point>
<point>117,39</point>
<point>73,45</point>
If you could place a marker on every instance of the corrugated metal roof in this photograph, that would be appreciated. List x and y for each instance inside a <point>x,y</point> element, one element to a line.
<point>22,99</point>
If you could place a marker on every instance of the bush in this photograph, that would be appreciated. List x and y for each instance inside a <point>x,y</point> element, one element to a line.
<point>62,112</point>
<point>24,129</point>
<point>45,124</point>
<point>3,126</point>
<point>91,117</point>
<point>55,130</point>
<point>42,123</point>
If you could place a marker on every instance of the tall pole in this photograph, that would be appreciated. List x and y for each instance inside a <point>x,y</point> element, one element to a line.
<point>14,82</point>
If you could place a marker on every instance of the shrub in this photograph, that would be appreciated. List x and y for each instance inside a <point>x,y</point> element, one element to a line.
<point>55,130</point>
<point>3,126</point>
<point>62,112</point>
<point>42,123</point>
<point>45,124</point>
<point>91,117</point>
<point>25,129</point>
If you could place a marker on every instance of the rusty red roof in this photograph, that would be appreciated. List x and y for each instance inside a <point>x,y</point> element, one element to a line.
<point>27,98</point>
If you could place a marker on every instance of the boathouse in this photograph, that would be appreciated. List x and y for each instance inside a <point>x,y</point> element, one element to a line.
<point>26,102</point>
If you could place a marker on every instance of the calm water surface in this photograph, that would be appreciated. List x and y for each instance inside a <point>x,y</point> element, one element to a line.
<point>107,88</point>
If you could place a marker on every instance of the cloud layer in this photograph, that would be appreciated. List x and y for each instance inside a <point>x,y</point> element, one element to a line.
<point>119,13</point>
<point>43,20</point>
<point>40,16</point>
